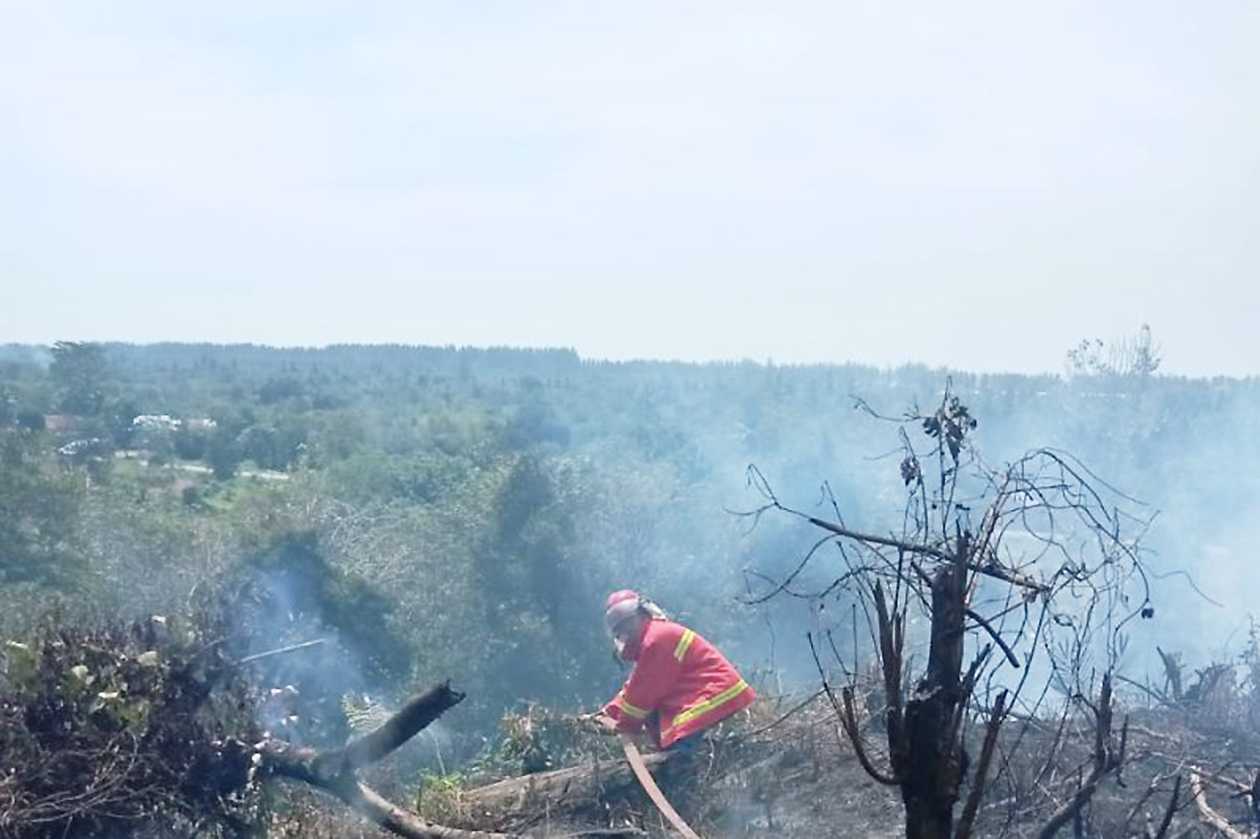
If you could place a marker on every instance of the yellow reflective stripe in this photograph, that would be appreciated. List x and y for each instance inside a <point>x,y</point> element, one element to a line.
<point>631,710</point>
<point>702,708</point>
<point>684,644</point>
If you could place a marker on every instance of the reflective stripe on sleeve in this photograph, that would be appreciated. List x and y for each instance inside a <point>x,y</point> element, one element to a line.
<point>684,644</point>
<point>702,708</point>
<point>631,710</point>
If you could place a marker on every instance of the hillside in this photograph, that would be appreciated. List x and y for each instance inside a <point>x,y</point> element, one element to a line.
<point>434,513</point>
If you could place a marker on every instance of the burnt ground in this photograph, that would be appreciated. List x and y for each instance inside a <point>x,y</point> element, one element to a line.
<point>798,778</point>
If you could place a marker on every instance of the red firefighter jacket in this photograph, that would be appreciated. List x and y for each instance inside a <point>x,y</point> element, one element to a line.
<point>680,677</point>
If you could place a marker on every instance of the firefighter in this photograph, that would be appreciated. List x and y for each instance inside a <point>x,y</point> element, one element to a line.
<point>680,684</point>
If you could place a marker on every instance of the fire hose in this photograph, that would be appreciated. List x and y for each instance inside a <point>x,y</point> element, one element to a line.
<point>654,792</point>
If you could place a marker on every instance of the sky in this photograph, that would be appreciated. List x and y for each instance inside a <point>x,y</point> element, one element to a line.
<point>978,186</point>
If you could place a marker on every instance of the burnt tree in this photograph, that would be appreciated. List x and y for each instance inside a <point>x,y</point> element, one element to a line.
<point>957,571</point>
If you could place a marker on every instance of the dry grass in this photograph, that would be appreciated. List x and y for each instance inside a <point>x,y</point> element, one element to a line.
<point>762,776</point>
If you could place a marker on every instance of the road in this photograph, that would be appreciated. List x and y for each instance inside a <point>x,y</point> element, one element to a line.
<point>264,474</point>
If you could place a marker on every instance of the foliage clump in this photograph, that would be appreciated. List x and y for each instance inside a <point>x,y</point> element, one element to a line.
<point>125,728</point>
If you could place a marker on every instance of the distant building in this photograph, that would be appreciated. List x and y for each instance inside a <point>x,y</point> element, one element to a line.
<point>155,422</point>
<point>80,450</point>
<point>165,422</point>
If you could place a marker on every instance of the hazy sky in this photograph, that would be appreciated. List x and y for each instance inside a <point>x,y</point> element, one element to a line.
<point>976,185</point>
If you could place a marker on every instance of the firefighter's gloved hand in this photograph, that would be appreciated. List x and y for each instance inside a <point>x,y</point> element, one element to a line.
<point>599,723</point>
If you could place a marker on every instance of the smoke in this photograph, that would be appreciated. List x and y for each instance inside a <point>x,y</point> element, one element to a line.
<point>1175,458</point>
<point>302,691</point>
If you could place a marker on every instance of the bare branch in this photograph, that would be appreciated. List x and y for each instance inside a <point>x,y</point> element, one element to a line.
<point>991,729</point>
<point>1169,811</point>
<point>994,571</point>
<point>848,719</point>
<point>993,633</point>
<point>1104,761</point>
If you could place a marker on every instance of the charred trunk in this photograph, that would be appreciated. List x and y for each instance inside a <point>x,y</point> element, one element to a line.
<point>931,763</point>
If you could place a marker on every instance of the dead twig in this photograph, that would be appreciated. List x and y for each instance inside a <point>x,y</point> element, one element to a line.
<point>282,650</point>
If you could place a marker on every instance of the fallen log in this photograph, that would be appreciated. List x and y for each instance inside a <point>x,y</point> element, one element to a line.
<point>1206,814</point>
<point>558,791</point>
<point>587,790</point>
<point>334,771</point>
